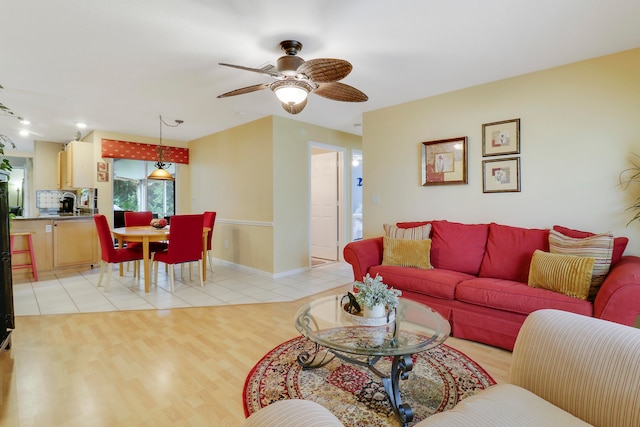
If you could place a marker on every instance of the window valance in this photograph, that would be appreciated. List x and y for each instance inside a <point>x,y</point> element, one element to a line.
<point>137,151</point>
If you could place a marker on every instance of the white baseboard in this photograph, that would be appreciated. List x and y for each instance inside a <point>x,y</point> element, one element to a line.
<point>262,273</point>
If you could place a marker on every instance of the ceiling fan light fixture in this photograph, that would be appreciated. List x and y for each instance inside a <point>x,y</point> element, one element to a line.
<point>291,91</point>
<point>291,94</point>
<point>296,78</point>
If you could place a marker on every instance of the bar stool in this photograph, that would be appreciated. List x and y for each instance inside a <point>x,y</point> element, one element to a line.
<point>29,250</point>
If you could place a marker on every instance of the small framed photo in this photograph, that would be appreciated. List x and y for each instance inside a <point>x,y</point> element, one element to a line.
<point>501,175</point>
<point>500,138</point>
<point>103,167</point>
<point>444,161</point>
<point>103,176</point>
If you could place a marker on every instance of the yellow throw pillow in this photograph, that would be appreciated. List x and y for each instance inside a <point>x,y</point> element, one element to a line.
<point>567,274</point>
<point>406,252</point>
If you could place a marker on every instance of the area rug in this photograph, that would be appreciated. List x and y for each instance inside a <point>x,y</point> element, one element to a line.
<point>440,378</point>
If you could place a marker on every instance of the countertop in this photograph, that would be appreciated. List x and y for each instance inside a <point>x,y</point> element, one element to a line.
<point>52,217</point>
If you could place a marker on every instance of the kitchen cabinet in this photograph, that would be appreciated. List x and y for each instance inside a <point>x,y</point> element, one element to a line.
<point>63,176</point>
<point>74,243</point>
<point>60,242</point>
<point>76,168</point>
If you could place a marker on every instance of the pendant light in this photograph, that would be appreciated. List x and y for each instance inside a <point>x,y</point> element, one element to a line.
<point>161,173</point>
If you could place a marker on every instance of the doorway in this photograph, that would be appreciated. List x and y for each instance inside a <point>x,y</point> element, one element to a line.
<point>20,185</point>
<point>326,202</point>
<point>356,195</point>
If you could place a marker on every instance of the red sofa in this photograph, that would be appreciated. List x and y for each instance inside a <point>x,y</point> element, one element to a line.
<point>479,279</point>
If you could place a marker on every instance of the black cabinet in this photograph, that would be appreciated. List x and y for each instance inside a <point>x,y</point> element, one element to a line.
<point>7,319</point>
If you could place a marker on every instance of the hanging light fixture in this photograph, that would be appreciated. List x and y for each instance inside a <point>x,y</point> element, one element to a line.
<point>291,91</point>
<point>161,173</point>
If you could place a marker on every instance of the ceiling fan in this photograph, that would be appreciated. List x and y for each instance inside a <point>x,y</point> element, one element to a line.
<point>296,78</point>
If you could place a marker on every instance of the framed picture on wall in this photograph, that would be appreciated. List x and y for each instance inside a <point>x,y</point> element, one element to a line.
<point>444,161</point>
<point>501,175</point>
<point>500,138</point>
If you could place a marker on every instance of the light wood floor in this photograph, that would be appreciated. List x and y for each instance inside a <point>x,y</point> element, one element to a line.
<point>179,367</point>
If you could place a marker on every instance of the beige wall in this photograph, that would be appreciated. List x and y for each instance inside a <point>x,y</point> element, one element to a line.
<point>232,174</point>
<point>256,177</point>
<point>579,124</point>
<point>292,185</point>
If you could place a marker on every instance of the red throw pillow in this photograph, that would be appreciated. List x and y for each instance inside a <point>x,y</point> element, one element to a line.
<point>619,243</point>
<point>509,251</point>
<point>458,247</point>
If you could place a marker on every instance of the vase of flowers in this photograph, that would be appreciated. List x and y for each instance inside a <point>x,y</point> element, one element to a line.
<point>375,297</point>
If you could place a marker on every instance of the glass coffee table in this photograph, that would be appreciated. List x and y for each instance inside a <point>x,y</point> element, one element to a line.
<point>410,329</point>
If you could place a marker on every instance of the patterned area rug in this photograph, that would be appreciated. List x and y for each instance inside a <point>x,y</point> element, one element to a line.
<point>440,378</point>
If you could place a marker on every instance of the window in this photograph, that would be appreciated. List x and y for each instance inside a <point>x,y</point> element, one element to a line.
<point>132,191</point>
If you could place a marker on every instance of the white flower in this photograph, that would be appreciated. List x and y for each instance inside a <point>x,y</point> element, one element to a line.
<point>372,291</point>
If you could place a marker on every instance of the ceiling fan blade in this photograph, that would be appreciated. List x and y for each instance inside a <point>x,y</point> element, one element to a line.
<point>268,70</point>
<point>325,70</point>
<point>294,108</point>
<point>244,90</point>
<point>340,92</point>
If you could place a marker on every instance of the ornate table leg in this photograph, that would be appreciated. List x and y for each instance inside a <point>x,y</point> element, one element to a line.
<point>400,369</point>
<point>308,361</point>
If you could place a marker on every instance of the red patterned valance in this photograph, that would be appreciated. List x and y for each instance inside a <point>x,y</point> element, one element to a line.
<point>137,151</point>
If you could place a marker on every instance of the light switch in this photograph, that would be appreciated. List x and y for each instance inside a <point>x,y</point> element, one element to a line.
<point>375,199</point>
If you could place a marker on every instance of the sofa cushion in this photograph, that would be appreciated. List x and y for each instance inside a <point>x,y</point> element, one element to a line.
<point>437,283</point>
<point>619,243</point>
<point>458,247</point>
<point>568,274</point>
<point>414,233</point>
<point>517,297</point>
<point>509,251</point>
<point>406,252</point>
<point>503,405</point>
<point>598,246</point>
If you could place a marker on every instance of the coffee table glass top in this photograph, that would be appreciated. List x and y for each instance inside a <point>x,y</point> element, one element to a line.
<point>416,328</point>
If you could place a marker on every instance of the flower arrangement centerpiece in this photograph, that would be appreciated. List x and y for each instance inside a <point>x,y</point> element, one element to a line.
<point>375,297</point>
<point>159,223</point>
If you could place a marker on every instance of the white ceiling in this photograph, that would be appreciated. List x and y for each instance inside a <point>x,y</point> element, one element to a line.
<point>117,64</point>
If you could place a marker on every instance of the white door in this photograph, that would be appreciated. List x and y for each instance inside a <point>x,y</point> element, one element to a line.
<point>324,206</point>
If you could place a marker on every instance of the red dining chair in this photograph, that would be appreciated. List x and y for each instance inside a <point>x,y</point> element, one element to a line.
<point>209,221</point>
<point>108,254</point>
<point>137,219</point>
<point>185,245</point>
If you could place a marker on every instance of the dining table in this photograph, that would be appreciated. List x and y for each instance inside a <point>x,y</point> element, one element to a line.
<point>146,234</point>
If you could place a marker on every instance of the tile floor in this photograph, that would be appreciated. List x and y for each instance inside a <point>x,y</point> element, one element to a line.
<point>78,292</point>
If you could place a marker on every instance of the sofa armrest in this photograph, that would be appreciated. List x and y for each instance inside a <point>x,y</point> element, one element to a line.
<point>618,299</point>
<point>587,367</point>
<point>362,255</point>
